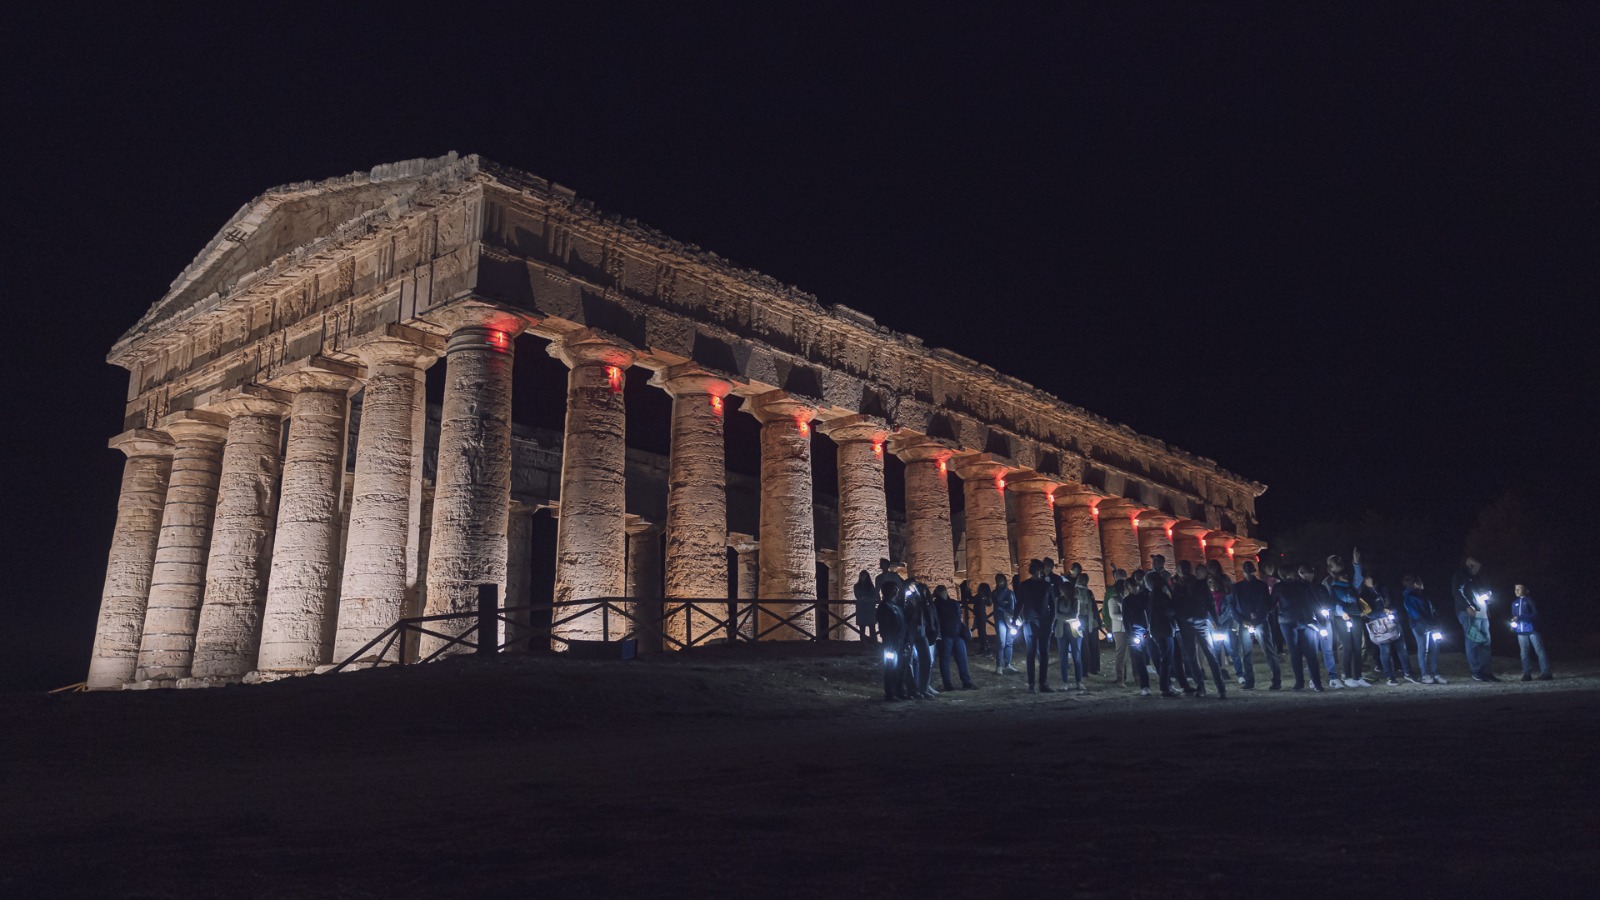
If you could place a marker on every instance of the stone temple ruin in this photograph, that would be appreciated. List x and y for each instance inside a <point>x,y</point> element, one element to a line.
<point>264,530</point>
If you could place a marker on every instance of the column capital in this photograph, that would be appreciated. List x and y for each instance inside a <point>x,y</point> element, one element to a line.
<point>142,442</point>
<point>1069,496</point>
<point>637,525</point>
<point>1156,518</point>
<point>587,347</point>
<point>253,400</point>
<point>1247,547</point>
<point>743,543</point>
<point>1122,505</point>
<point>981,466</point>
<point>399,345</point>
<point>1032,483</point>
<point>855,429</point>
<point>918,448</point>
<point>692,379</point>
<point>320,373</point>
<point>1190,526</point>
<point>774,406</point>
<point>471,314</point>
<point>196,425</point>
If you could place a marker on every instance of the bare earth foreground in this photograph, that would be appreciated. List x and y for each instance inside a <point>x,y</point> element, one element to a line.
<point>778,772</point>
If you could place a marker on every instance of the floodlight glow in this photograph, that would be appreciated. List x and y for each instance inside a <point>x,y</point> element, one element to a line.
<point>888,656</point>
<point>1438,636</point>
<point>1327,612</point>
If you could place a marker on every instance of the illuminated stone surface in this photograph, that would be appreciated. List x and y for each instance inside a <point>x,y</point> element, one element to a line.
<point>1119,540</point>
<point>1155,538</point>
<point>988,543</point>
<point>1036,518</point>
<point>788,559</point>
<point>697,494</point>
<point>133,556</point>
<point>1079,535</point>
<point>930,540</point>
<point>863,506</point>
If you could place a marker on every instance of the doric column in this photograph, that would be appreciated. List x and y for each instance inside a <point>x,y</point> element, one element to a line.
<point>697,493</point>
<point>863,505</point>
<point>1119,540</point>
<point>930,538</point>
<point>644,581</point>
<point>472,485</point>
<point>1188,538</point>
<point>788,561</point>
<point>1078,526</point>
<point>747,576</point>
<point>519,574</point>
<point>1218,546</point>
<point>385,497</point>
<point>1245,550</point>
<point>228,638</point>
<point>983,486</point>
<point>133,555</point>
<point>297,624</point>
<point>1036,516</point>
<point>591,541</point>
<point>178,578</point>
<point>1155,537</point>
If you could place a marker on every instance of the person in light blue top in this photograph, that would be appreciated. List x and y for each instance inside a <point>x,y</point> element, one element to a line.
<point>1525,624</point>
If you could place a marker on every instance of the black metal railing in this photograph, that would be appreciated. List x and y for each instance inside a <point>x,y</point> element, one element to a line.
<point>651,622</point>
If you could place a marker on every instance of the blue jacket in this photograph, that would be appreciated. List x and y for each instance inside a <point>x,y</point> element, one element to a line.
<point>1419,609</point>
<point>1346,598</point>
<point>1527,617</point>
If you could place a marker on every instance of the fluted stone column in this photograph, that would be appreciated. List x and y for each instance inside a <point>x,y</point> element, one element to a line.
<point>472,485</point>
<point>228,638</point>
<point>1245,550</point>
<point>747,576</point>
<point>1187,536</point>
<point>591,540</point>
<point>1155,537</point>
<point>1119,540</point>
<point>178,578</point>
<point>133,556</point>
<point>988,543</point>
<point>644,582</point>
<point>788,560</point>
<point>697,494</point>
<point>1217,546</point>
<point>863,505</point>
<point>1079,534</point>
<point>385,495</point>
<point>519,575</point>
<point>297,624</point>
<point>930,537</point>
<point>1036,517</point>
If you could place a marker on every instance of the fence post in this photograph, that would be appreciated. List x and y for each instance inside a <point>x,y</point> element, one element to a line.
<point>733,621</point>
<point>488,619</point>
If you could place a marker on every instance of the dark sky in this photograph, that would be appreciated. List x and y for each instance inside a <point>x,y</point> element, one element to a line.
<point>1343,251</point>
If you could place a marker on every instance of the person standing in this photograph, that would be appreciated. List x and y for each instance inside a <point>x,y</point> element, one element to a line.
<point>1133,611</point>
<point>1256,614</point>
<point>1069,635</point>
<point>1525,624</point>
<point>1346,621</point>
<point>1473,596</point>
<point>1005,625</point>
<point>1386,630</point>
<point>866,597</point>
<point>896,647</point>
<point>920,628</point>
<point>952,639</point>
<point>1163,627</point>
<point>1424,621</point>
<point>1036,601</point>
<point>1196,627</point>
<point>1227,613</point>
<point>1298,614</point>
<point>1111,619</point>
<point>980,615</point>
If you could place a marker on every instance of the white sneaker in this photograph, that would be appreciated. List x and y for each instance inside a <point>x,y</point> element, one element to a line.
<point>1412,680</point>
<point>1011,670</point>
<point>1335,683</point>
<point>1144,692</point>
<point>1427,679</point>
<point>1362,682</point>
<point>1439,679</point>
<point>1241,679</point>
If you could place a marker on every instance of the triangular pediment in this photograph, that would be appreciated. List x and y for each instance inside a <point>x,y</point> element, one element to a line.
<point>287,224</point>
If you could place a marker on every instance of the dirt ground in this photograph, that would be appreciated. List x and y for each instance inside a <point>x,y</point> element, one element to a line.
<point>778,771</point>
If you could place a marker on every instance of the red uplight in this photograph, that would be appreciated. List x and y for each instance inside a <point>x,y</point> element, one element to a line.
<point>805,427</point>
<point>1230,553</point>
<point>1000,483</point>
<point>1050,498</point>
<point>614,376</point>
<point>1202,543</point>
<point>877,449</point>
<point>716,404</point>
<point>1169,532</point>
<point>499,340</point>
<point>1093,511</point>
<point>943,466</point>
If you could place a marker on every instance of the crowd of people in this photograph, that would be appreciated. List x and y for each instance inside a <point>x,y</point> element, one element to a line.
<point>1180,625</point>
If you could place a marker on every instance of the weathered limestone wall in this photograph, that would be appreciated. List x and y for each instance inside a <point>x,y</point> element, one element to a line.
<point>591,536</point>
<point>519,573</point>
<point>697,494</point>
<point>1155,537</point>
<point>984,519</point>
<point>1119,539</point>
<point>930,537</point>
<point>1036,519</point>
<point>788,557</point>
<point>1186,540</point>
<point>178,578</point>
<point>228,638</point>
<point>383,499</point>
<point>297,624</point>
<point>863,505</point>
<point>1080,536</point>
<point>133,556</point>
<point>472,494</point>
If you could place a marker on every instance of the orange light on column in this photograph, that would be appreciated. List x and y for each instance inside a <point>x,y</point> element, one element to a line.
<point>1230,553</point>
<point>1202,543</point>
<point>943,467</point>
<point>614,376</point>
<point>877,449</point>
<point>804,426</point>
<point>1000,482</point>
<point>716,404</point>
<point>1050,498</point>
<point>1094,511</point>
<point>499,340</point>
<point>1169,532</point>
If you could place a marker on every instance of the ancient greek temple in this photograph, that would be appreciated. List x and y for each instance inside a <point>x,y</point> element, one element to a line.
<point>289,492</point>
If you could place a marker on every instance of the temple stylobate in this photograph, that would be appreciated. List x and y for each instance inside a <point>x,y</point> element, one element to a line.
<point>290,493</point>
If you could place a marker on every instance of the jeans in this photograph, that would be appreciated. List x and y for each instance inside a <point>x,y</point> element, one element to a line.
<point>982,627</point>
<point>1477,654</point>
<point>1071,645</point>
<point>1119,640</point>
<point>1427,651</point>
<point>1005,644</point>
<point>1211,648</point>
<point>956,647</point>
<point>1325,647</point>
<point>924,666</point>
<point>1037,638</point>
<point>1141,655</point>
<point>1393,658</point>
<point>1231,646</point>
<point>1161,650</point>
<point>896,667</point>
<point>1533,642</point>
<point>1185,664</point>
<point>1349,632</point>
<point>1303,651</point>
<point>1269,648</point>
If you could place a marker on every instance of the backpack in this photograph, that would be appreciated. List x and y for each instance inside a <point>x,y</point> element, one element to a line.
<point>1384,630</point>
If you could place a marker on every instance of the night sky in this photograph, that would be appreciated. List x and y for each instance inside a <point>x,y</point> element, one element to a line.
<point>1341,251</point>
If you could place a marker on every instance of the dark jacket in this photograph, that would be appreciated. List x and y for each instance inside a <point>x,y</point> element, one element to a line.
<point>1163,618</point>
<point>1467,587</point>
<point>1342,592</point>
<point>1419,609</point>
<point>892,622</point>
<point>1296,603</point>
<point>866,608</point>
<point>948,612</point>
<point>1526,615</point>
<point>1136,613</point>
<point>920,620</point>
<point>1192,599</point>
<point>1254,600</point>
<point>1036,601</point>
